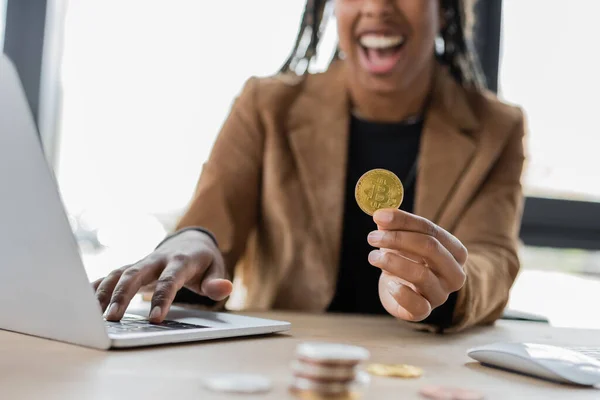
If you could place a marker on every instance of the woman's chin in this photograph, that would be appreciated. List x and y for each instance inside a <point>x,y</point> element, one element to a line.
<point>378,84</point>
<point>381,84</point>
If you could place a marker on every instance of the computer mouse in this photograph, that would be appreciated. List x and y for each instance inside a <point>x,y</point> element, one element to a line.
<point>554,363</point>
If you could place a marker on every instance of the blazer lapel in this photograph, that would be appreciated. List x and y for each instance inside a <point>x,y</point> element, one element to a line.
<point>318,134</point>
<point>446,150</point>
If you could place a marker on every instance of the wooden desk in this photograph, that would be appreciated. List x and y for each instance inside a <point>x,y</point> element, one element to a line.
<point>32,368</point>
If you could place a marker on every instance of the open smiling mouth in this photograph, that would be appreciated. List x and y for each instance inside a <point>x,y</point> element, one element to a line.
<point>379,53</point>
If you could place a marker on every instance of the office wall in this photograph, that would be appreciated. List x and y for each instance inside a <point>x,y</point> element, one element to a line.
<point>2,22</point>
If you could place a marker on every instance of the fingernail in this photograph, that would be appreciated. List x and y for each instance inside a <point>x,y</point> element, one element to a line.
<point>393,286</point>
<point>385,216</point>
<point>155,313</point>
<point>375,236</point>
<point>374,256</point>
<point>113,310</point>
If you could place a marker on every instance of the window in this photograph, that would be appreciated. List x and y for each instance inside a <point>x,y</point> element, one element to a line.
<point>146,86</point>
<point>549,66</point>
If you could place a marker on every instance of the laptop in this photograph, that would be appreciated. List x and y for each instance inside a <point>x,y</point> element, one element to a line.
<point>44,289</point>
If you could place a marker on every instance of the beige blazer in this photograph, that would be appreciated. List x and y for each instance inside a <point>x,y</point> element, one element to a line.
<point>272,190</point>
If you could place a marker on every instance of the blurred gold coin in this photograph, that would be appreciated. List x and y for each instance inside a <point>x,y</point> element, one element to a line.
<point>395,370</point>
<point>378,188</point>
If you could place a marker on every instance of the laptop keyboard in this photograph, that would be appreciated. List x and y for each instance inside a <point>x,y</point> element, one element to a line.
<point>136,324</point>
<point>593,352</point>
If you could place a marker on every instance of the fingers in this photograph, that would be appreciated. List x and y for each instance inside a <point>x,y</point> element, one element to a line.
<point>398,220</point>
<point>106,286</point>
<point>130,281</point>
<point>402,302</point>
<point>173,277</point>
<point>198,266</point>
<point>97,283</point>
<point>421,277</point>
<point>428,249</point>
<point>214,283</point>
<point>217,289</point>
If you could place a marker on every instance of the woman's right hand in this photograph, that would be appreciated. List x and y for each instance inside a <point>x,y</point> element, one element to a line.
<point>189,259</point>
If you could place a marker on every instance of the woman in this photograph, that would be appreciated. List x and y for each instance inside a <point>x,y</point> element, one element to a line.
<point>274,205</point>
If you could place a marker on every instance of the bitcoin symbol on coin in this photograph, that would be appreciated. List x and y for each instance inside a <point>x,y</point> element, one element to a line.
<point>378,194</point>
<point>378,188</point>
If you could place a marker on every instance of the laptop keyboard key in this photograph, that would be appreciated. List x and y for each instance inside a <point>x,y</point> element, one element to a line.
<point>136,324</point>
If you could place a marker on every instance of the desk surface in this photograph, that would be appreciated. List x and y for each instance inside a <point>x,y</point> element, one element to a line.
<point>32,368</point>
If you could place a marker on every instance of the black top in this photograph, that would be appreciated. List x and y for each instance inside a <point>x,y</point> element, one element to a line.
<point>392,146</point>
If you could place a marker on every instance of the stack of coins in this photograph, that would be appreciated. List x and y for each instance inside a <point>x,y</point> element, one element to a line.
<point>327,369</point>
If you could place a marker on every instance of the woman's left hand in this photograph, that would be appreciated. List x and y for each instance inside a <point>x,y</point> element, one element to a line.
<point>421,263</point>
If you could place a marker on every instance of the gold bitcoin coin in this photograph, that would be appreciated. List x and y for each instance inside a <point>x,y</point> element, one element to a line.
<point>378,188</point>
<point>395,370</point>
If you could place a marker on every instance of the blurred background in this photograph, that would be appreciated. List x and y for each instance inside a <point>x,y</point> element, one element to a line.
<point>130,94</point>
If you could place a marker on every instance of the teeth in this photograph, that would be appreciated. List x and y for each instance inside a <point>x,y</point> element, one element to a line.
<point>380,42</point>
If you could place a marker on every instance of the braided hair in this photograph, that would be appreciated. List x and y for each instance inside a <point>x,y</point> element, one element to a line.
<point>313,23</point>
<point>458,51</point>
